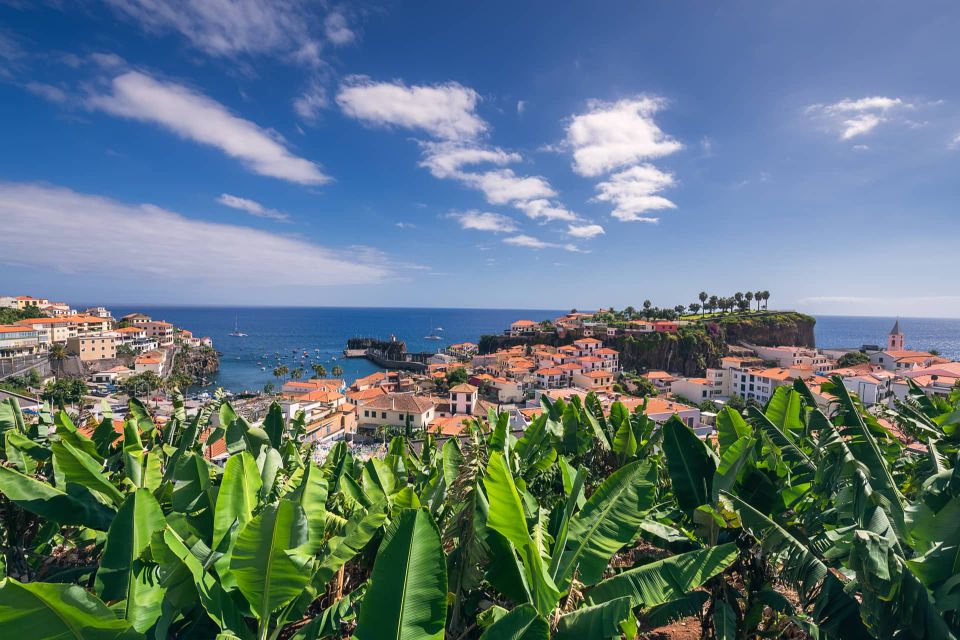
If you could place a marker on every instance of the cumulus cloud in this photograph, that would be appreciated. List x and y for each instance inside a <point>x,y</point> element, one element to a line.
<point>545,209</point>
<point>103,237</point>
<point>484,221</point>
<point>536,243</point>
<point>584,231</point>
<point>445,111</point>
<point>612,135</point>
<point>859,117</point>
<point>338,29</point>
<point>616,134</point>
<point>503,186</point>
<point>634,191</point>
<point>446,159</point>
<point>252,207</point>
<point>196,117</point>
<point>229,29</point>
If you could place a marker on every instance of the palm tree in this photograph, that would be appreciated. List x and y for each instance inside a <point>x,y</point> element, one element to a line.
<point>630,312</point>
<point>766,296</point>
<point>749,298</point>
<point>758,296</point>
<point>703,300</point>
<point>279,372</point>
<point>319,371</point>
<point>297,373</point>
<point>646,308</point>
<point>337,371</point>
<point>58,355</point>
<point>737,297</point>
<point>714,303</point>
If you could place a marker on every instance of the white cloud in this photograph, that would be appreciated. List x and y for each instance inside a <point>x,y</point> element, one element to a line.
<point>446,111</point>
<point>521,106</point>
<point>311,102</point>
<point>858,117</point>
<point>252,207</point>
<point>616,134</point>
<point>503,186</point>
<point>542,208</point>
<point>635,191</point>
<point>196,117</point>
<point>108,237</point>
<point>47,92</point>
<point>485,221</point>
<point>232,28</point>
<point>584,230</point>
<point>404,225</point>
<point>446,159</point>
<point>338,29</point>
<point>535,243</point>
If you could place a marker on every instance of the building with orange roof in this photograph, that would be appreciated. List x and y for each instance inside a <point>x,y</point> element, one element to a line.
<point>549,378</point>
<point>17,341</point>
<point>374,379</point>
<point>594,380</point>
<point>150,361</point>
<point>90,347</point>
<point>397,410</point>
<point>522,327</point>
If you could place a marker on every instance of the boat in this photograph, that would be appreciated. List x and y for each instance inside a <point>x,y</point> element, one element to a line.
<point>438,329</point>
<point>432,335</point>
<point>236,333</point>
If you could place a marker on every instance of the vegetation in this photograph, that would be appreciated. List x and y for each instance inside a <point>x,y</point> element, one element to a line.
<point>853,358</point>
<point>587,524</point>
<point>141,384</point>
<point>9,316</point>
<point>64,391</point>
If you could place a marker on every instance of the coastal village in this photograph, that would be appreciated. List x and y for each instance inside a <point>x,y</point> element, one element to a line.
<point>533,364</point>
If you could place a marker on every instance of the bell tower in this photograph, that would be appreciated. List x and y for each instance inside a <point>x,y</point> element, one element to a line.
<point>895,339</point>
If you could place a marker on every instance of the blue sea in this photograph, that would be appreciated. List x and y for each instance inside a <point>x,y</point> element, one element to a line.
<point>247,363</point>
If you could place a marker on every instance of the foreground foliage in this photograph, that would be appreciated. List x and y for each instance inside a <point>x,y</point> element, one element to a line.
<point>585,525</point>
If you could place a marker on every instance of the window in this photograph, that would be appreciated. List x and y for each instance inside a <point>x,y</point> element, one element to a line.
<point>383,415</point>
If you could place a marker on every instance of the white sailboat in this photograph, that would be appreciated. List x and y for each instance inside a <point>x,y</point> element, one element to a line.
<point>236,333</point>
<point>432,335</point>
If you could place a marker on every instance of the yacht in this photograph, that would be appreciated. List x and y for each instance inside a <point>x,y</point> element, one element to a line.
<point>236,333</point>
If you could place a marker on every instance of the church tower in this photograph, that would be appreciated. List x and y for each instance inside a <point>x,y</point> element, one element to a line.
<point>895,339</point>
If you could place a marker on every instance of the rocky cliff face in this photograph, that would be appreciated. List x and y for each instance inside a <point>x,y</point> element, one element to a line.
<point>691,350</point>
<point>786,328</point>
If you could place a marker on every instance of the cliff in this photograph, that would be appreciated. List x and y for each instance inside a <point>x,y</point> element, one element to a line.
<point>693,348</point>
<point>787,328</point>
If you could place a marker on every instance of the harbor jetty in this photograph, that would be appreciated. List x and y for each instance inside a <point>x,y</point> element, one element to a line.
<point>389,354</point>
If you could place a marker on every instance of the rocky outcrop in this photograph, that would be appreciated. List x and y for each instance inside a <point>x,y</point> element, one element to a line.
<point>693,348</point>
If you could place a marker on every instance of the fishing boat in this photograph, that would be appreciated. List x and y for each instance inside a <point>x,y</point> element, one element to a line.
<point>236,333</point>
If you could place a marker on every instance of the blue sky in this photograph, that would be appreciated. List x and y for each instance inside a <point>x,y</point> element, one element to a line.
<point>538,155</point>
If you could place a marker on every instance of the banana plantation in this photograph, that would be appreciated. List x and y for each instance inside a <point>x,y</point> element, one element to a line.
<point>794,521</point>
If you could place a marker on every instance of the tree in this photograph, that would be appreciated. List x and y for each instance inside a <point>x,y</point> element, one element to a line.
<point>58,355</point>
<point>853,358</point>
<point>644,387</point>
<point>337,371</point>
<point>703,299</point>
<point>268,389</point>
<point>319,371</point>
<point>714,303</point>
<point>141,384</point>
<point>296,373</point>
<point>694,307</point>
<point>280,371</point>
<point>456,376</point>
<point>64,391</point>
<point>758,296</point>
<point>679,309</point>
<point>33,378</point>
<point>766,296</point>
<point>749,298</point>
<point>630,313</point>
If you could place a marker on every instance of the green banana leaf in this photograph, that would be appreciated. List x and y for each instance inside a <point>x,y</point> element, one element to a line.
<point>407,596</point>
<point>609,520</point>
<point>523,623</point>
<point>601,621</point>
<point>73,507</point>
<point>41,610</point>
<point>659,582</point>
<point>266,562</point>
<point>690,464</point>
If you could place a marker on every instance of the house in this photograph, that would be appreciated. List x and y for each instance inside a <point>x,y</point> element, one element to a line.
<point>17,341</point>
<point>660,410</point>
<point>897,358</point>
<point>162,331</point>
<point>936,380</point>
<point>873,388</point>
<point>92,347</point>
<point>660,379</point>
<point>113,375</point>
<point>29,302</point>
<point>136,319</point>
<point>98,312</point>
<point>523,327</point>
<point>693,389</point>
<point>549,378</point>
<point>463,399</point>
<point>60,329</point>
<point>361,397</point>
<point>586,346</point>
<point>640,326</point>
<point>294,388</point>
<point>791,356</point>
<point>594,380</point>
<point>375,379</point>
<point>395,409</point>
<point>136,338</point>
<point>666,326</point>
<point>149,361</point>
<point>508,391</point>
<point>463,349</point>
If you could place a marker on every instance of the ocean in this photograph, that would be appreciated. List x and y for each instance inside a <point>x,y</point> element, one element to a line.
<point>282,334</point>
